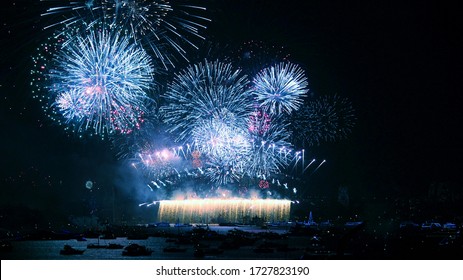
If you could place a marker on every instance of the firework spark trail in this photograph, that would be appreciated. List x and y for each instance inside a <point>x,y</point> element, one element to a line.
<point>315,170</point>
<point>205,91</point>
<point>281,88</point>
<point>73,12</point>
<point>72,106</point>
<point>235,133</point>
<point>220,140</point>
<point>167,28</point>
<point>225,147</point>
<point>163,26</point>
<point>177,164</point>
<point>329,118</point>
<point>308,165</point>
<point>222,172</point>
<point>98,82</point>
<point>269,145</point>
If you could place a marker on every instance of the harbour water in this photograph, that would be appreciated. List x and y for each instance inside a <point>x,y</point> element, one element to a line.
<point>254,243</point>
<point>50,249</point>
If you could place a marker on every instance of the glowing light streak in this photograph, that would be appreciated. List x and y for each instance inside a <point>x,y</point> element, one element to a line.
<point>318,167</point>
<point>227,210</point>
<point>313,160</point>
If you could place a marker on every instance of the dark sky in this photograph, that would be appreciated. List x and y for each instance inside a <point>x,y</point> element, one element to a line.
<point>399,62</point>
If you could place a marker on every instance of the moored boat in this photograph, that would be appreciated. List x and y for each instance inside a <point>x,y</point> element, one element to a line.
<point>68,250</point>
<point>136,250</point>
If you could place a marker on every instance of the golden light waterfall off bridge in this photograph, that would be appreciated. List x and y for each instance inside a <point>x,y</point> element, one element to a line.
<point>223,210</point>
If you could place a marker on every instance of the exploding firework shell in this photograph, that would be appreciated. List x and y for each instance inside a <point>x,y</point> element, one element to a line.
<point>167,28</point>
<point>220,140</point>
<point>259,122</point>
<point>270,149</point>
<point>326,119</point>
<point>281,88</point>
<point>205,91</point>
<point>224,146</point>
<point>96,82</point>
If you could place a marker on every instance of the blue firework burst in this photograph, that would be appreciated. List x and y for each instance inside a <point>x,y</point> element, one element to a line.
<point>281,88</point>
<point>205,91</point>
<point>270,149</point>
<point>167,28</point>
<point>326,119</point>
<point>97,82</point>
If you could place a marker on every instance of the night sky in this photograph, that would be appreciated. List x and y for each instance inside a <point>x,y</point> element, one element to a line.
<point>399,62</point>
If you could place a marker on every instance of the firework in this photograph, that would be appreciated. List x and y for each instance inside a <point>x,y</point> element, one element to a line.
<point>151,135</point>
<point>165,27</point>
<point>222,172</point>
<point>270,149</point>
<point>72,106</point>
<point>259,122</point>
<point>161,24</point>
<point>216,134</point>
<point>186,171</point>
<point>220,140</point>
<point>217,154</point>
<point>97,82</point>
<point>160,164</point>
<point>150,150</point>
<point>329,118</point>
<point>226,148</point>
<point>281,88</point>
<point>68,13</point>
<point>223,210</point>
<point>205,91</point>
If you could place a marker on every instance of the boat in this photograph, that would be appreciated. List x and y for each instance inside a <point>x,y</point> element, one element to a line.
<point>68,250</point>
<point>103,246</point>
<point>134,250</point>
<point>108,235</point>
<point>114,246</point>
<point>96,245</point>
